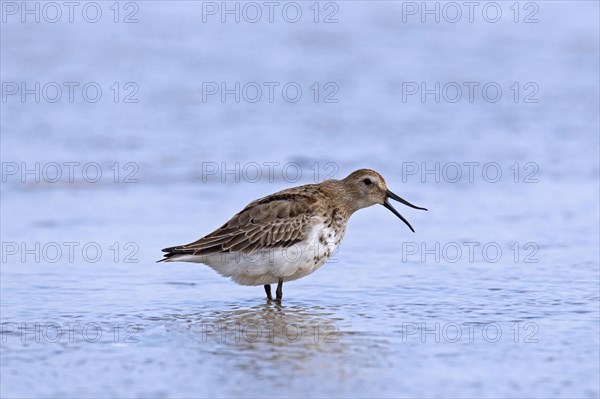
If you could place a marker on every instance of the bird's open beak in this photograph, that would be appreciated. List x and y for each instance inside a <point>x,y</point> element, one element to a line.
<point>393,196</point>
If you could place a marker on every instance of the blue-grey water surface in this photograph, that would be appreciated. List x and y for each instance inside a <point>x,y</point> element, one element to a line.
<point>393,314</point>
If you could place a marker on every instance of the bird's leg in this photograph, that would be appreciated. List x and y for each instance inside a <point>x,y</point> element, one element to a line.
<point>279,291</point>
<point>268,291</point>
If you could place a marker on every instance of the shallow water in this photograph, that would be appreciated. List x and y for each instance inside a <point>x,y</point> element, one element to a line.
<point>495,295</point>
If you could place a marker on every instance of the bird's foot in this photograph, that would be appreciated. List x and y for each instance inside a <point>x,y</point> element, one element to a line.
<point>268,292</point>
<point>279,291</point>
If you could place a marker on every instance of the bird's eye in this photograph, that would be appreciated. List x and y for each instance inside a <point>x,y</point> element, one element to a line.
<point>367,181</point>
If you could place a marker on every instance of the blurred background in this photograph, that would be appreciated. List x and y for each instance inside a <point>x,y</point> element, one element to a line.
<point>127,127</point>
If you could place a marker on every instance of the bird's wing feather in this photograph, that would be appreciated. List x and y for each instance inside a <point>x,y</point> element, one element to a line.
<point>278,220</point>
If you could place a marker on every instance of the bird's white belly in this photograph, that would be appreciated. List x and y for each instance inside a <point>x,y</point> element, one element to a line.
<point>269,265</point>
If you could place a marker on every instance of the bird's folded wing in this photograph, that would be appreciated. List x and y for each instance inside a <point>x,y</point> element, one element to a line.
<point>274,221</point>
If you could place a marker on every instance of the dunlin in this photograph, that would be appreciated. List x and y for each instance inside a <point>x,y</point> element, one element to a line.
<point>289,234</point>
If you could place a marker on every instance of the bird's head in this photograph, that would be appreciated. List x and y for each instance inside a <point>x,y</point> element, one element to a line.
<point>365,187</point>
